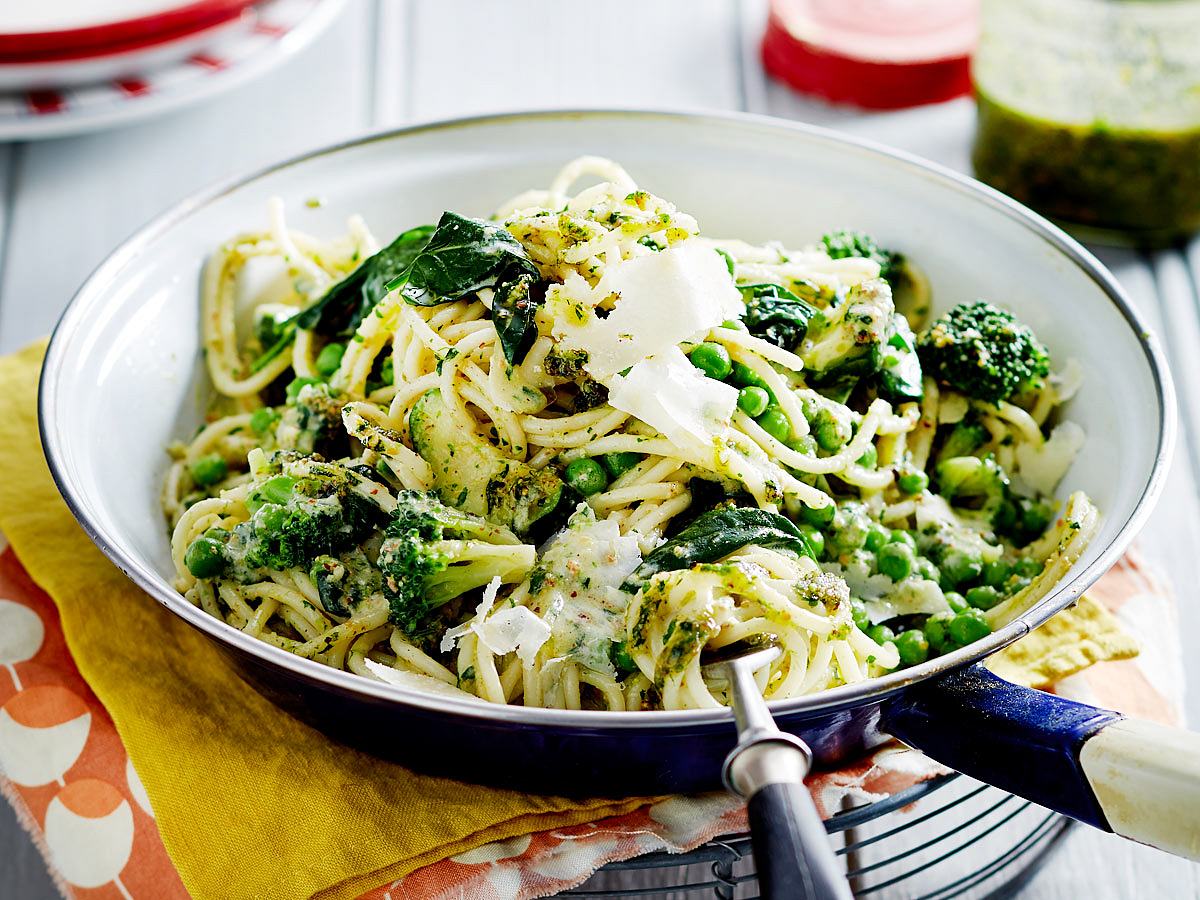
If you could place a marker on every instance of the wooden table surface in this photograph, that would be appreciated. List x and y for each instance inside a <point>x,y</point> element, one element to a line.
<point>64,204</point>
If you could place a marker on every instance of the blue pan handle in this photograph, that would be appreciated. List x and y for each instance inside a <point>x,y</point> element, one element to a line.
<point>1135,778</point>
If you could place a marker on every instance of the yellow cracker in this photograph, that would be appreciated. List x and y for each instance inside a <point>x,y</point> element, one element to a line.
<point>1076,638</point>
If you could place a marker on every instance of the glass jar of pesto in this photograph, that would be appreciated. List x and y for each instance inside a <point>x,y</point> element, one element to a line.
<point>1089,111</point>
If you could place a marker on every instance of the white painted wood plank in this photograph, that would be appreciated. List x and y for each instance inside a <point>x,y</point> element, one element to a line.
<point>23,873</point>
<point>76,198</point>
<point>472,57</point>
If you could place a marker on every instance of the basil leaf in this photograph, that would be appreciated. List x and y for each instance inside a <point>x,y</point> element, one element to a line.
<point>777,315</point>
<point>714,536</point>
<point>464,255</point>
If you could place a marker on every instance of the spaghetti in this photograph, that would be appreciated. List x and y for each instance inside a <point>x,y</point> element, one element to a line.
<point>512,459</point>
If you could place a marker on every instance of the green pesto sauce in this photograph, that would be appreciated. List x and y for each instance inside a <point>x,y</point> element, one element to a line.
<point>1089,112</point>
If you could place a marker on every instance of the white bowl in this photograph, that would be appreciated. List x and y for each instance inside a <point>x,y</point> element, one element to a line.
<point>123,376</point>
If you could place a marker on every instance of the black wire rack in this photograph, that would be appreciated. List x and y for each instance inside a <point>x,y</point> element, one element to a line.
<point>945,838</point>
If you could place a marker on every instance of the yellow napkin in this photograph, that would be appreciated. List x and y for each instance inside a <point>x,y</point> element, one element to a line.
<point>250,802</point>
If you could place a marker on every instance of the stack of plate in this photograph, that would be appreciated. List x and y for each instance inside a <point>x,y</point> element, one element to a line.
<point>68,66</point>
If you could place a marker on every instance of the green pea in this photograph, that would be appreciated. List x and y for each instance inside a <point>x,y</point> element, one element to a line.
<point>586,476</point>
<point>956,601</point>
<point>277,490</point>
<point>913,647</point>
<point>205,558</point>
<point>743,376</point>
<point>1028,568</point>
<point>928,570</point>
<point>712,359</point>
<point>996,573</point>
<point>220,535</point>
<point>968,626</point>
<point>297,385</point>
<point>880,634</point>
<point>263,420</point>
<point>621,660</point>
<point>208,470</point>
<point>818,515</point>
<point>775,423</point>
<point>896,561</point>
<point>935,631</point>
<point>825,430</point>
<point>803,444</point>
<point>330,358</point>
<point>734,325</point>
<point>959,567</point>
<point>753,401</point>
<point>816,540</point>
<point>984,597</point>
<point>900,536</point>
<point>877,536</point>
<point>858,610</point>
<point>912,482</point>
<point>617,464</point>
<point>869,458</point>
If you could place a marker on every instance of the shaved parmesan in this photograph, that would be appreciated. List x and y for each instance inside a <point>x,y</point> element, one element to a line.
<point>580,595</point>
<point>663,299</point>
<point>672,396</point>
<point>416,681</point>
<point>1042,467</point>
<point>516,628</point>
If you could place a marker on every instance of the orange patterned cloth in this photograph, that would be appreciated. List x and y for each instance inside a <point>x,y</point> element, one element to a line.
<point>75,789</point>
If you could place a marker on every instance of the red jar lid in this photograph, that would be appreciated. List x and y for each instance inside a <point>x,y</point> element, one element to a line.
<point>879,54</point>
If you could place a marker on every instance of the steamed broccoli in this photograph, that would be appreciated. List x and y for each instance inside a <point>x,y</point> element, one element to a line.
<point>317,509</point>
<point>843,243</point>
<point>432,553</point>
<point>312,422</point>
<point>983,352</point>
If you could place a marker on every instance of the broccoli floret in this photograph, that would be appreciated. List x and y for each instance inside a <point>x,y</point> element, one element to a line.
<point>317,510</point>
<point>312,423</point>
<point>843,243</point>
<point>344,581</point>
<point>432,553</point>
<point>983,352</point>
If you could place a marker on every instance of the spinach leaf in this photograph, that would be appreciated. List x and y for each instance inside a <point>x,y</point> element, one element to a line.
<point>899,365</point>
<point>343,307</point>
<point>514,308</point>
<point>777,315</point>
<point>715,535</point>
<point>347,303</point>
<point>464,255</point>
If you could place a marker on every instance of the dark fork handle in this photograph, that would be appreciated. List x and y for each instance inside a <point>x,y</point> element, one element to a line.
<point>791,848</point>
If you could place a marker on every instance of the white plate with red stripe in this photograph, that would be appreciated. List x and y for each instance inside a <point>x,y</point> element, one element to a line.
<point>97,92</point>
